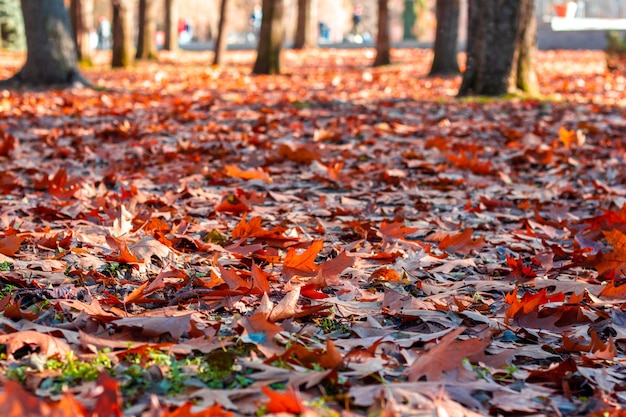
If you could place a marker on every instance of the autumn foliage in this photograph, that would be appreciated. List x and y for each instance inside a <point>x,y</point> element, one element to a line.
<point>190,240</point>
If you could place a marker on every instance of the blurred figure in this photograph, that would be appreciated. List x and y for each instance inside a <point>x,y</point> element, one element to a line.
<point>104,33</point>
<point>255,22</point>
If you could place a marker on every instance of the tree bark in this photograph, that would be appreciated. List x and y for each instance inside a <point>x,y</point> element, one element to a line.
<point>171,25</point>
<point>123,51</point>
<point>383,42</point>
<point>220,41</point>
<point>51,56</point>
<point>146,45</point>
<point>81,16</point>
<point>500,48</point>
<point>306,33</point>
<point>445,59</point>
<point>270,38</point>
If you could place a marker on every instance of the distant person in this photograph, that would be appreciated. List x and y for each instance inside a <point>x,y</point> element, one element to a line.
<point>255,21</point>
<point>357,17</point>
<point>104,33</point>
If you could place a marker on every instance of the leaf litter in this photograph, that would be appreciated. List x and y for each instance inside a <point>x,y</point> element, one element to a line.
<point>340,240</point>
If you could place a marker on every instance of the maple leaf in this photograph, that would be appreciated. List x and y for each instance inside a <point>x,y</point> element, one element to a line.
<point>109,401</point>
<point>232,204</point>
<point>10,244</point>
<point>302,264</point>
<point>446,356</point>
<point>395,231</point>
<point>289,402</point>
<point>46,345</point>
<point>249,174</point>
<point>124,254</point>
<point>462,242</point>
<point>185,410</point>
<point>616,259</point>
<point>259,330</point>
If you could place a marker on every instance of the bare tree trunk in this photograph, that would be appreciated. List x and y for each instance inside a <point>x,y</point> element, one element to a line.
<point>51,57</point>
<point>270,38</point>
<point>527,57</point>
<point>123,51</point>
<point>146,45</point>
<point>220,41</point>
<point>81,16</point>
<point>306,33</point>
<point>383,42</point>
<point>445,59</point>
<point>171,25</point>
<point>496,55</point>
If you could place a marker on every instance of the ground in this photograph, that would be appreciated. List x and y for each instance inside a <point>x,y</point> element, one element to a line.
<point>335,240</point>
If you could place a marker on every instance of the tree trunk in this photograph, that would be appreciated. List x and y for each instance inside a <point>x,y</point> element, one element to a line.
<point>220,41</point>
<point>383,43</point>
<point>270,38</point>
<point>446,39</point>
<point>306,34</point>
<point>500,47</point>
<point>171,25</point>
<point>123,53</point>
<point>51,56</point>
<point>146,45</point>
<point>81,16</point>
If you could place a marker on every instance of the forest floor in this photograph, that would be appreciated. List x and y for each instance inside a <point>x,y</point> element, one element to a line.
<point>190,240</point>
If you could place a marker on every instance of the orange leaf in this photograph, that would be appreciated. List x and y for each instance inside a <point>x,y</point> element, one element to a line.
<point>232,204</point>
<point>125,256</point>
<point>215,410</point>
<point>260,282</point>
<point>616,259</point>
<point>462,242</point>
<point>249,174</point>
<point>303,264</point>
<point>10,244</point>
<point>109,402</point>
<point>289,402</point>
<point>567,137</point>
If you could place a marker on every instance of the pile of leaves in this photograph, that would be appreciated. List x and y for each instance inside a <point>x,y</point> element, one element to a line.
<point>191,240</point>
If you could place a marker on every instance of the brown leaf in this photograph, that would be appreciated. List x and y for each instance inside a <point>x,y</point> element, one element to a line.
<point>44,344</point>
<point>446,356</point>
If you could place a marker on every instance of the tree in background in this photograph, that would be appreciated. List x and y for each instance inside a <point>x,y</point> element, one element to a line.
<point>11,25</point>
<point>383,41</point>
<point>501,48</point>
<point>409,17</point>
<point>51,52</point>
<point>306,30</point>
<point>123,51</point>
<point>446,39</point>
<point>171,25</point>
<point>220,41</point>
<point>81,17</point>
<point>270,38</point>
<point>146,42</point>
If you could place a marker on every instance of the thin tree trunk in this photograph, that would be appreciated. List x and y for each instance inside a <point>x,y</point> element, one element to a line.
<point>51,57</point>
<point>526,78</point>
<point>306,34</point>
<point>270,38</point>
<point>123,51</point>
<point>220,41</point>
<point>383,42</point>
<point>146,45</point>
<point>445,59</point>
<point>81,16</point>
<point>495,53</point>
<point>171,25</point>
